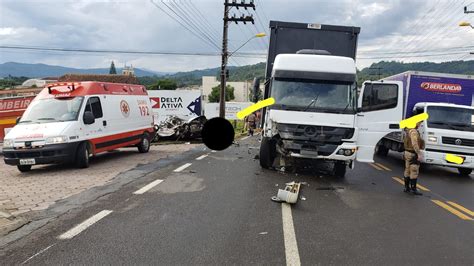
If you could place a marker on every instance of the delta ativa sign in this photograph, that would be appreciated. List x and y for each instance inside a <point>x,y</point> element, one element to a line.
<point>185,104</point>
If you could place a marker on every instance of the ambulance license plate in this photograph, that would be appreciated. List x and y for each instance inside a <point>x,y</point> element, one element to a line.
<point>27,161</point>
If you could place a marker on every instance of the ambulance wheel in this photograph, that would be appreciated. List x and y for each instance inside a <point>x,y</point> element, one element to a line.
<point>82,156</point>
<point>462,171</point>
<point>267,152</point>
<point>24,168</point>
<point>340,169</point>
<point>144,145</point>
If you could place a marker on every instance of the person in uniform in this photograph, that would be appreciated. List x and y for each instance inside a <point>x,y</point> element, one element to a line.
<point>251,123</point>
<point>413,144</point>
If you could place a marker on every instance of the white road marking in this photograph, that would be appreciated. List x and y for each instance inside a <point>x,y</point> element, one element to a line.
<point>202,157</point>
<point>84,225</point>
<point>244,138</point>
<point>39,253</point>
<point>182,167</point>
<point>213,151</point>
<point>148,187</point>
<point>291,246</point>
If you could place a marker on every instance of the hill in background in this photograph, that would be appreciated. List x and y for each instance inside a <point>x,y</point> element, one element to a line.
<point>393,67</point>
<point>249,72</point>
<point>42,70</point>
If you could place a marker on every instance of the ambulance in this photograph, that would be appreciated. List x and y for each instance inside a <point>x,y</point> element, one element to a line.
<point>71,122</point>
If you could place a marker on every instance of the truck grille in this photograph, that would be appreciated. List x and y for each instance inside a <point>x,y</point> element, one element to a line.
<point>320,134</point>
<point>458,141</point>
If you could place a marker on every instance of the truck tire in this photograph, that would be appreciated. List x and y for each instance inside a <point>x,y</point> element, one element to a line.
<point>464,171</point>
<point>82,155</point>
<point>144,145</point>
<point>340,169</point>
<point>267,152</point>
<point>381,150</point>
<point>24,168</point>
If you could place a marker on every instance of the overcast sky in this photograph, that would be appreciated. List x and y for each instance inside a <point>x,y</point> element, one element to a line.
<point>390,30</point>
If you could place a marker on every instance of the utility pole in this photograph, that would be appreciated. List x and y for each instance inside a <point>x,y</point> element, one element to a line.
<point>225,54</point>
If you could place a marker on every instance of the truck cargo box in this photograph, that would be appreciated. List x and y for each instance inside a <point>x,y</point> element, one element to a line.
<point>435,87</point>
<point>290,37</point>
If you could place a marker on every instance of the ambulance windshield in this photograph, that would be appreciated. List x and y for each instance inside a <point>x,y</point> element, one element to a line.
<point>52,110</point>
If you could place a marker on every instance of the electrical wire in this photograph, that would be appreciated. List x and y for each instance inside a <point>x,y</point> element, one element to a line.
<point>179,22</point>
<point>19,47</point>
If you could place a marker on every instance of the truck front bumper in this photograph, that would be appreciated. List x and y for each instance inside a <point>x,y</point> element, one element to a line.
<point>439,158</point>
<point>48,154</point>
<point>299,151</point>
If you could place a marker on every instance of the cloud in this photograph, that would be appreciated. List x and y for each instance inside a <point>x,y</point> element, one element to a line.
<point>387,26</point>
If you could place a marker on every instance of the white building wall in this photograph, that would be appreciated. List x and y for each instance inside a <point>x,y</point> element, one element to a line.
<point>241,89</point>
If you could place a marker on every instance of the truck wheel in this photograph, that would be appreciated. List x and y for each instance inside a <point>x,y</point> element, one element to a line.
<point>382,150</point>
<point>340,169</point>
<point>82,155</point>
<point>267,152</point>
<point>24,168</point>
<point>464,171</point>
<point>144,145</point>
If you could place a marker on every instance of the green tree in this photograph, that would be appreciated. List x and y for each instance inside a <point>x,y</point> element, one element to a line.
<point>164,84</point>
<point>258,97</point>
<point>216,92</point>
<point>112,70</point>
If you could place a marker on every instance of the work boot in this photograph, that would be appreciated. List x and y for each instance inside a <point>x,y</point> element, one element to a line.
<point>407,184</point>
<point>413,187</point>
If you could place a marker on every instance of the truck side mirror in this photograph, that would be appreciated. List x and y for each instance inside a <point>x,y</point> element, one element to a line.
<point>88,118</point>
<point>17,120</point>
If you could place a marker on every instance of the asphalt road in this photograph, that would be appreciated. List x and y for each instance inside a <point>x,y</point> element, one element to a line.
<point>217,210</point>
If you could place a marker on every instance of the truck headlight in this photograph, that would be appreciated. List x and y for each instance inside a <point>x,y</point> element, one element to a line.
<point>56,140</point>
<point>433,139</point>
<point>346,152</point>
<point>8,143</point>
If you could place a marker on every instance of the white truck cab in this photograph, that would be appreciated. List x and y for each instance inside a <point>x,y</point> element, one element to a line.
<point>317,114</point>
<point>69,122</point>
<point>448,130</point>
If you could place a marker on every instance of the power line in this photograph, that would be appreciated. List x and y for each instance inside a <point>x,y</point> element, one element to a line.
<point>199,19</point>
<point>470,47</point>
<point>193,20</point>
<point>430,33</point>
<point>188,29</point>
<point>17,47</point>
<point>190,24</point>
<point>414,56</point>
<point>414,30</point>
<point>257,30</point>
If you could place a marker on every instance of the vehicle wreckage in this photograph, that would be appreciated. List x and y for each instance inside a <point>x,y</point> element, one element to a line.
<point>177,128</point>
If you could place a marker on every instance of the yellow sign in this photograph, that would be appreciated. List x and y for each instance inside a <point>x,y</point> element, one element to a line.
<point>412,121</point>
<point>261,104</point>
<point>454,159</point>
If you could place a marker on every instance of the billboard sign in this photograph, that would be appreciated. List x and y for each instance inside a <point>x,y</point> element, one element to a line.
<point>439,89</point>
<point>231,109</point>
<point>185,104</point>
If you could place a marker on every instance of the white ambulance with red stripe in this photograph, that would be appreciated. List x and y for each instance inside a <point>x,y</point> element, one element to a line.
<point>70,122</point>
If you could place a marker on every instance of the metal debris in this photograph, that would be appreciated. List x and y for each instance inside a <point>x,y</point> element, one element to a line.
<point>289,194</point>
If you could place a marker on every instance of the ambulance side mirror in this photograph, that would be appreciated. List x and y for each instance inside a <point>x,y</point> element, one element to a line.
<point>88,118</point>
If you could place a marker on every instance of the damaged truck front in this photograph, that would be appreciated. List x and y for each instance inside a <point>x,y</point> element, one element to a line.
<point>311,74</point>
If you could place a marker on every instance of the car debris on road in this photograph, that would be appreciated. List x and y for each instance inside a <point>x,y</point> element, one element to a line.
<point>289,194</point>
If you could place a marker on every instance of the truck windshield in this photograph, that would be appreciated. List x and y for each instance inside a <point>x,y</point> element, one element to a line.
<point>52,110</point>
<point>313,95</point>
<point>453,118</point>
